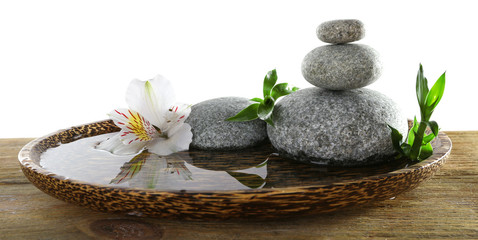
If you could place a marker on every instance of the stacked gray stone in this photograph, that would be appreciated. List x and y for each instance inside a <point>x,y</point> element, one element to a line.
<point>337,122</point>
<point>341,65</point>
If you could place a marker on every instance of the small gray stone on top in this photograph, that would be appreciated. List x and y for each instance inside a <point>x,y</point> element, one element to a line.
<point>211,131</point>
<point>343,128</point>
<point>341,31</point>
<point>342,67</point>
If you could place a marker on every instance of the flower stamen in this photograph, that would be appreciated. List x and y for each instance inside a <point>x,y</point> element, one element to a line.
<point>135,128</point>
<point>139,126</point>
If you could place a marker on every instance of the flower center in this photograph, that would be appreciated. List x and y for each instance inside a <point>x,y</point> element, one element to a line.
<point>140,127</point>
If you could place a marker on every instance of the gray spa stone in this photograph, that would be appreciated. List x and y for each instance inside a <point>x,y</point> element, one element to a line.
<point>341,128</point>
<point>212,132</point>
<point>341,31</point>
<point>342,67</point>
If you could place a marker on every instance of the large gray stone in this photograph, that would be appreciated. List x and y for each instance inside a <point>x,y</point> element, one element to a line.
<point>211,131</point>
<point>341,31</point>
<point>342,67</point>
<point>343,128</point>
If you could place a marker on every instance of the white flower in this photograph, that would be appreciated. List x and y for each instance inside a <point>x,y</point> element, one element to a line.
<point>153,121</point>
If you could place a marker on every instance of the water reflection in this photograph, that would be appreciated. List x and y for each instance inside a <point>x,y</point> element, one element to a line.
<point>252,168</point>
<point>178,171</point>
<point>283,172</point>
<point>150,171</point>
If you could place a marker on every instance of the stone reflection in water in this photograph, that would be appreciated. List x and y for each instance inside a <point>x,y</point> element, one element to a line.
<point>283,172</point>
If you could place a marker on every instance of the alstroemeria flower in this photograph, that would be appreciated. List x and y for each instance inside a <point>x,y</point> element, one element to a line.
<point>153,121</point>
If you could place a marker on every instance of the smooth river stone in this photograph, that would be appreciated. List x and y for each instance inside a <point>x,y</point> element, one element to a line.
<point>211,131</point>
<point>337,128</point>
<point>341,31</point>
<point>342,67</point>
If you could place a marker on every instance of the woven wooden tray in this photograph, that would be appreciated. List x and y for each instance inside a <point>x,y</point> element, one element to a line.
<point>290,188</point>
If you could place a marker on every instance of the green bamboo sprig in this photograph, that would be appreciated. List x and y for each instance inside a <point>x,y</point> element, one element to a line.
<point>262,108</point>
<point>417,146</point>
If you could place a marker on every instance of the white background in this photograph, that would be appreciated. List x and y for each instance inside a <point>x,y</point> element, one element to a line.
<point>65,63</point>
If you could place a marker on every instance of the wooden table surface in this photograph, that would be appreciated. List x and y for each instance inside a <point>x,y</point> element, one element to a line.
<point>445,207</point>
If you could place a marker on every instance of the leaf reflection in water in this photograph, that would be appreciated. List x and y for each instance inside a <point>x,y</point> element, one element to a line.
<point>253,178</point>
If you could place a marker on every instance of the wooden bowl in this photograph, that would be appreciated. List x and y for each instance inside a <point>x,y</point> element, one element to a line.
<point>290,188</point>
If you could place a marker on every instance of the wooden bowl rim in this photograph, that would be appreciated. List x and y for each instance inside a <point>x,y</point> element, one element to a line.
<point>25,159</point>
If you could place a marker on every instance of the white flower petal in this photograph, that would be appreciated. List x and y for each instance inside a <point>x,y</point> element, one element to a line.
<point>160,146</point>
<point>175,117</point>
<point>117,116</point>
<point>178,142</point>
<point>151,98</point>
<point>182,137</point>
<point>115,145</point>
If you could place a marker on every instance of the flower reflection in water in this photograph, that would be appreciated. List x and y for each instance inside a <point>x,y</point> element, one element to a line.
<point>129,169</point>
<point>148,170</point>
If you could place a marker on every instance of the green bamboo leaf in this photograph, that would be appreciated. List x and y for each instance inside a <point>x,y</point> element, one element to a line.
<point>265,108</point>
<point>428,138</point>
<point>425,151</point>
<point>434,96</point>
<point>280,90</point>
<point>406,148</point>
<point>257,100</point>
<point>269,121</point>
<point>396,139</point>
<point>421,87</point>
<point>433,126</point>
<point>269,81</point>
<point>413,131</point>
<point>411,136</point>
<point>247,114</point>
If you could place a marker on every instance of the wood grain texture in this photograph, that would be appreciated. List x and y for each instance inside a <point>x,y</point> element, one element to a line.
<point>445,207</point>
